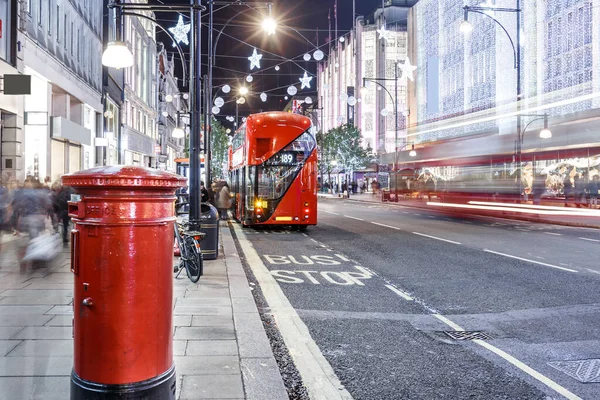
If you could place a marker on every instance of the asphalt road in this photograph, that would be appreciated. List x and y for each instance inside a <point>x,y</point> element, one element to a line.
<point>378,286</point>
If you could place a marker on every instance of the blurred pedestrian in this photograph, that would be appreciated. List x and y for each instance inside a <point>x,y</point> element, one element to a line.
<point>568,189</point>
<point>579,190</point>
<point>63,197</point>
<point>224,201</point>
<point>538,189</point>
<point>593,188</point>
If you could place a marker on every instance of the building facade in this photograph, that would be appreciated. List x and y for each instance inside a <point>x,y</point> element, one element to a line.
<point>12,136</point>
<point>61,48</point>
<point>367,53</point>
<point>464,103</point>
<point>173,112</point>
<point>139,138</point>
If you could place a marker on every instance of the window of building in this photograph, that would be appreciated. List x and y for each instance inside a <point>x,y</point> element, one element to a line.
<point>40,12</point>
<point>65,31</point>
<point>5,39</point>
<point>57,24</point>
<point>50,18</point>
<point>72,36</point>
<point>78,45</point>
<point>28,6</point>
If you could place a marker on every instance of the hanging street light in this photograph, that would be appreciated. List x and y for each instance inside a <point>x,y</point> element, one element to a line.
<point>117,55</point>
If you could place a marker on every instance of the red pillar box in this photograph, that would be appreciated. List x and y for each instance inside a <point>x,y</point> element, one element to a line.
<point>122,258</point>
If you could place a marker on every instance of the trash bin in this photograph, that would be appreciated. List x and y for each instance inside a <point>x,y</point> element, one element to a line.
<point>209,224</point>
<point>122,262</point>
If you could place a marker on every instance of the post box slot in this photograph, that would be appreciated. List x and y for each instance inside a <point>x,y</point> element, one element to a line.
<point>75,252</point>
<point>73,209</point>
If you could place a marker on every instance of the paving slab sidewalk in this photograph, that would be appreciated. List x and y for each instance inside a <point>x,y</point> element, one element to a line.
<point>220,348</point>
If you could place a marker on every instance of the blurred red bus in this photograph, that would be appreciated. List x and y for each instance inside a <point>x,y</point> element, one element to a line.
<point>273,171</point>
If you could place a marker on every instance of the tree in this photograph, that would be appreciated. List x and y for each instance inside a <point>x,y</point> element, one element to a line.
<point>219,144</point>
<point>342,145</point>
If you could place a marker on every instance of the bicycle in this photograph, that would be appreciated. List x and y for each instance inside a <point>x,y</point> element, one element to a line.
<point>190,250</point>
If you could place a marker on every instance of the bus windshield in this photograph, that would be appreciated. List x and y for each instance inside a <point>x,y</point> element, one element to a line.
<point>277,173</point>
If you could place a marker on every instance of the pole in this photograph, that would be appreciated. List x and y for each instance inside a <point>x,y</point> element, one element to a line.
<point>195,121</point>
<point>518,66</point>
<point>396,132</point>
<point>119,36</point>
<point>208,119</point>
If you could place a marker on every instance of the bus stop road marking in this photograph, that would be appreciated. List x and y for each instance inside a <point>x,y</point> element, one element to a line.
<point>317,374</point>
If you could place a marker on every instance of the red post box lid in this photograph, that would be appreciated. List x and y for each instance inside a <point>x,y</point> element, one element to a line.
<point>124,176</point>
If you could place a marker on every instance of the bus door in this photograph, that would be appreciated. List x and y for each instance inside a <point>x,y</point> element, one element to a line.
<point>249,192</point>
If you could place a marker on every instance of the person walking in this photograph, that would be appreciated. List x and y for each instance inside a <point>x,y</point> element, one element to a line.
<point>579,187</point>
<point>63,197</point>
<point>538,189</point>
<point>593,188</point>
<point>568,189</point>
<point>224,201</point>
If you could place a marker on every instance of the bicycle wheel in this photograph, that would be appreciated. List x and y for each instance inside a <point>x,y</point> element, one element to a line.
<point>194,261</point>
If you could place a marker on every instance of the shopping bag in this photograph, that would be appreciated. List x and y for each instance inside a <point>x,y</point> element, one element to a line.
<point>43,248</point>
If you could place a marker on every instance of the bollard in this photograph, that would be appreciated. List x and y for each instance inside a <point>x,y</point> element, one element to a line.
<point>122,259</point>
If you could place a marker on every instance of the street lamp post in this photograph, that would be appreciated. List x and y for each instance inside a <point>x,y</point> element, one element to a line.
<point>115,60</point>
<point>395,101</point>
<point>466,27</point>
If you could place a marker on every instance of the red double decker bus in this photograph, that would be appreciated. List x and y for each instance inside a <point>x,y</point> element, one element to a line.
<point>273,171</point>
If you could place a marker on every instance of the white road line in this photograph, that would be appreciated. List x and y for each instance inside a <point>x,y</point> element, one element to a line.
<point>387,226</point>
<point>304,234</point>
<point>590,240</point>
<point>553,233</point>
<point>451,324</point>
<point>531,261</point>
<point>399,292</point>
<point>358,219</point>
<point>404,212</point>
<point>317,374</point>
<point>519,364</point>
<point>436,238</point>
<point>331,212</point>
<point>314,240</point>
<point>417,214</point>
<point>528,370</point>
<point>593,271</point>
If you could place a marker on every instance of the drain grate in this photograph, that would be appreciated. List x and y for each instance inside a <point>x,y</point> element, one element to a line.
<point>468,335</point>
<point>585,371</point>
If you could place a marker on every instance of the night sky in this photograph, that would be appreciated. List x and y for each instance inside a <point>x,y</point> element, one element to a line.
<point>286,48</point>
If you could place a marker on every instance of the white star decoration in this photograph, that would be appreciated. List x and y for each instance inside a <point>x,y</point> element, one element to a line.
<point>305,81</point>
<point>255,60</point>
<point>180,32</point>
<point>407,69</point>
<point>383,34</point>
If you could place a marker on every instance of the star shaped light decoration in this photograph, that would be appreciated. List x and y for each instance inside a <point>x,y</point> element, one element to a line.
<point>180,32</point>
<point>407,69</point>
<point>305,81</point>
<point>383,34</point>
<point>255,59</point>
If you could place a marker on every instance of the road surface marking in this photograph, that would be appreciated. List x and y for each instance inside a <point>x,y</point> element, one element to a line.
<point>331,212</point>
<point>528,370</point>
<point>399,293</point>
<point>590,240</point>
<point>417,214</point>
<point>404,212</point>
<point>451,324</point>
<point>553,233</point>
<point>519,364</point>
<point>304,234</point>
<point>358,219</point>
<point>386,226</point>
<point>436,238</point>
<point>317,374</point>
<point>314,240</point>
<point>431,216</point>
<point>531,261</point>
<point>467,222</point>
<point>593,271</point>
